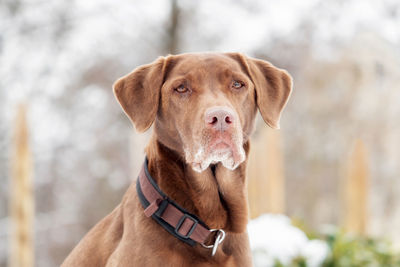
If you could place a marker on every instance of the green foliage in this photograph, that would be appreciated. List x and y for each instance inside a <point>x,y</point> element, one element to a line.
<point>346,250</point>
<point>355,251</point>
<point>296,262</point>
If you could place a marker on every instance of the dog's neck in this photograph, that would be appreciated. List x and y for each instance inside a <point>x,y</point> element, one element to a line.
<point>218,196</point>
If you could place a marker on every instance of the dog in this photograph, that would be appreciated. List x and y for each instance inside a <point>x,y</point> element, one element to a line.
<point>202,107</point>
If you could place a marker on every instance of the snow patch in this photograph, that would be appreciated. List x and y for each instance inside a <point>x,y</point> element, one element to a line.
<point>272,238</point>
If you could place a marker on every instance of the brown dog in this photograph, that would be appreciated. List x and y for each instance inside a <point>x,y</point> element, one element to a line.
<point>203,108</point>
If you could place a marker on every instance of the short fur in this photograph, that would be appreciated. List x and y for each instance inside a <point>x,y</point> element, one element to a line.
<point>217,195</point>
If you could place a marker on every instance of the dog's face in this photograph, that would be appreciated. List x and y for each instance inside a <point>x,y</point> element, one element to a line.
<point>207,110</point>
<point>204,105</point>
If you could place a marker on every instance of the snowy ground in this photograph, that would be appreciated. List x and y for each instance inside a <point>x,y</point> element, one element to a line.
<point>272,238</point>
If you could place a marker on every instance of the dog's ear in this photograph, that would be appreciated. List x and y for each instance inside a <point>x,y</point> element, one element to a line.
<point>139,92</point>
<point>272,85</point>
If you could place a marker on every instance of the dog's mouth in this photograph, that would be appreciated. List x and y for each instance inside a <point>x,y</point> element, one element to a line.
<point>224,148</point>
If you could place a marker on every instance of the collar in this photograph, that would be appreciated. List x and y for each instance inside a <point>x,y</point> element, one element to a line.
<point>172,217</point>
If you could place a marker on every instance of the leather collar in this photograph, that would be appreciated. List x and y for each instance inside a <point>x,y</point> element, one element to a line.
<point>172,217</point>
<point>176,220</point>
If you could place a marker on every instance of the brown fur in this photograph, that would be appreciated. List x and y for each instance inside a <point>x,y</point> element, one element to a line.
<point>218,196</point>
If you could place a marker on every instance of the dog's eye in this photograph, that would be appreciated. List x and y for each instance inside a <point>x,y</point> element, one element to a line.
<point>181,89</point>
<point>237,84</point>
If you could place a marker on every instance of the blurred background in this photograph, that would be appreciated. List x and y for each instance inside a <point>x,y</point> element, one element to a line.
<point>68,153</point>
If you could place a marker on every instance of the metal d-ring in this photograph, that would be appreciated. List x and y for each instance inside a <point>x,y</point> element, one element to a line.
<point>218,240</point>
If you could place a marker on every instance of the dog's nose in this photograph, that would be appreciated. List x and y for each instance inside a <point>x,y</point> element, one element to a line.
<point>219,118</point>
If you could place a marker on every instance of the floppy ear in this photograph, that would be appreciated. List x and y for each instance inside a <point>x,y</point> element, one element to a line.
<point>272,85</point>
<point>139,92</point>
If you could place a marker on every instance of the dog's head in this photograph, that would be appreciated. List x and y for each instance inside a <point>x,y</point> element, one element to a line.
<point>204,105</point>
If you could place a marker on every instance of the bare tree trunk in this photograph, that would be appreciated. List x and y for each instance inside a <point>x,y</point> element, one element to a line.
<point>266,174</point>
<point>173,29</point>
<point>275,187</point>
<point>22,202</point>
<point>356,190</point>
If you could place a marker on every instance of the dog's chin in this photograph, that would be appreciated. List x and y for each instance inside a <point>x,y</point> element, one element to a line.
<point>229,156</point>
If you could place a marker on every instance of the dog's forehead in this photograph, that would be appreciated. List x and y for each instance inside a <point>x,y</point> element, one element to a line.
<point>205,63</point>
